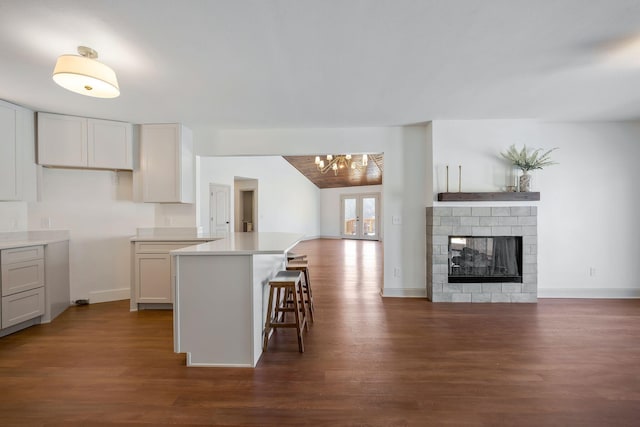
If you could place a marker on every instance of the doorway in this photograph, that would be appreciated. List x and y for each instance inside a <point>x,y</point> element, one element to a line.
<point>246,204</point>
<point>359,217</point>
<point>219,208</point>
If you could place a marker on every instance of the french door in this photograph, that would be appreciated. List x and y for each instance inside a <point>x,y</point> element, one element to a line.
<point>359,217</point>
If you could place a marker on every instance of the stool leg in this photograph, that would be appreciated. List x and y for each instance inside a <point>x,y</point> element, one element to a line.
<point>281,302</point>
<point>299,320</point>
<point>267,324</point>
<point>307,287</point>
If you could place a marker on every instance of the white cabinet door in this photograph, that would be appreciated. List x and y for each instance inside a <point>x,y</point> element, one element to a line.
<point>166,152</point>
<point>22,306</point>
<point>22,269</point>
<point>153,278</point>
<point>84,143</point>
<point>9,154</point>
<point>109,144</point>
<point>62,140</point>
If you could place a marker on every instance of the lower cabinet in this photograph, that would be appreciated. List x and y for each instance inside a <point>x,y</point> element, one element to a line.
<point>152,281</point>
<point>22,306</point>
<point>153,278</point>
<point>22,283</point>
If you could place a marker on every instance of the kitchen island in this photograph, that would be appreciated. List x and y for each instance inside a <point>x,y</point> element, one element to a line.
<point>220,292</point>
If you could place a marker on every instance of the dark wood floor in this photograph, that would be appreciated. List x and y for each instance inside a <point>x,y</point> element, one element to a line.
<point>368,362</point>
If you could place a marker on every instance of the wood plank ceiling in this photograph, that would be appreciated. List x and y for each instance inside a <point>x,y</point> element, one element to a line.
<point>346,177</point>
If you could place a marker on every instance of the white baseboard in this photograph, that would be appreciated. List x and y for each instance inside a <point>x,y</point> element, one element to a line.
<point>310,238</point>
<point>110,295</point>
<point>330,237</point>
<point>404,292</point>
<point>614,293</point>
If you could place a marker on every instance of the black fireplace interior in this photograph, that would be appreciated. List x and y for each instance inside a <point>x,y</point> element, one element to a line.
<point>485,259</point>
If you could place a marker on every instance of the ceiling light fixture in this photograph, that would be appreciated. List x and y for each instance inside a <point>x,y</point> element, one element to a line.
<point>335,163</point>
<point>84,75</point>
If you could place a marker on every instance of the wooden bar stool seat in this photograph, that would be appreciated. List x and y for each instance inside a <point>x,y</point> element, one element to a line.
<point>286,284</point>
<point>307,298</point>
<point>296,257</point>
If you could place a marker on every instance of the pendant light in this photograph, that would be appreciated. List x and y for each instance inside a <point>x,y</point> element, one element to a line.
<point>85,75</point>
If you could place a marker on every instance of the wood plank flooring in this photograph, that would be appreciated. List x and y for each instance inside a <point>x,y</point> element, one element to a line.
<point>369,361</point>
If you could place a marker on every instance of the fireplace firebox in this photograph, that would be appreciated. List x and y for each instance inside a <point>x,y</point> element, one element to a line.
<point>485,259</point>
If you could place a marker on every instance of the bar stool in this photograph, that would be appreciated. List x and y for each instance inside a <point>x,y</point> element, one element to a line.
<point>296,257</point>
<point>285,284</point>
<point>307,298</point>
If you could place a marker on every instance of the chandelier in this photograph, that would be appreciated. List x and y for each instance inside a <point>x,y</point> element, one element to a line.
<point>341,161</point>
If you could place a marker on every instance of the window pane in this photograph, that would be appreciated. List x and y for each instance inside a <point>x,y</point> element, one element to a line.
<point>349,226</point>
<point>369,216</point>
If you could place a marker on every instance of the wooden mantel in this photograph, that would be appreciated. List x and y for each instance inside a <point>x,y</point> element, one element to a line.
<point>502,196</point>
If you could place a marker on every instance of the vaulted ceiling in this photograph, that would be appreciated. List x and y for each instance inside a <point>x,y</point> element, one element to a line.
<point>319,63</point>
<point>343,177</point>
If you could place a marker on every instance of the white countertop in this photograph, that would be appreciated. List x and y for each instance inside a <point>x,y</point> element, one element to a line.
<point>174,234</point>
<point>206,237</point>
<point>245,244</point>
<point>21,239</point>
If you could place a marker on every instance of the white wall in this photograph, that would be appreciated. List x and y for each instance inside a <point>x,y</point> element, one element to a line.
<point>587,215</point>
<point>330,208</point>
<point>287,201</point>
<point>97,208</point>
<point>13,215</point>
<point>406,152</point>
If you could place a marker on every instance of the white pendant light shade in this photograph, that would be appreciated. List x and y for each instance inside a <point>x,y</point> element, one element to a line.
<point>84,75</point>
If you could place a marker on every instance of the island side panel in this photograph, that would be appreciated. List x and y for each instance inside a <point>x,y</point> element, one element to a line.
<point>56,264</point>
<point>265,267</point>
<point>213,309</point>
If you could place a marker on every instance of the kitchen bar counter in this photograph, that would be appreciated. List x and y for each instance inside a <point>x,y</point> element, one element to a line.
<point>244,244</point>
<point>174,234</point>
<point>220,296</point>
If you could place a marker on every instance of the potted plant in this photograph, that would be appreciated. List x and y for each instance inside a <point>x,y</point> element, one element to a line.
<point>527,160</point>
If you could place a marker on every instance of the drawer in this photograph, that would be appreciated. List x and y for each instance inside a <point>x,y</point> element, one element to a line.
<point>22,276</point>
<point>162,247</point>
<point>9,256</point>
<point>22,306</point>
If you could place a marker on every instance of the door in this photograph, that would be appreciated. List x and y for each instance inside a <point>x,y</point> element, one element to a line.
<point>219,208</point>
<point>359,219</point>
<point>153,278</point>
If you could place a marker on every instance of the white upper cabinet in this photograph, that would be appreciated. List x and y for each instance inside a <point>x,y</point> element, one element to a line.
<point>62,140</point>
<point>9,153</point>
<point>166,162</point>
<point>109,144</point>
<point>84,143</point>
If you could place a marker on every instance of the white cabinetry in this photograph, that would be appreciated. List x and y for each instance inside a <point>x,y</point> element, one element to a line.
<point>71,141</point>
<point>166,152</point>
<point>152,271</point>
<point>109,144</point>
<point>22,282</point>
<point>9,153</point>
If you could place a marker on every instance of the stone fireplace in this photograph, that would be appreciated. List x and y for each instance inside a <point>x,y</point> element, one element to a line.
<point>482,254</point>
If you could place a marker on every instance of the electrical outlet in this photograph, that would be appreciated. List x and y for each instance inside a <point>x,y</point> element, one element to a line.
<point>592,272</point>
<point>396,272</point>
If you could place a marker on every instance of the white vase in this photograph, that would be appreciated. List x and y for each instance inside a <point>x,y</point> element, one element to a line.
<point>525,182</point>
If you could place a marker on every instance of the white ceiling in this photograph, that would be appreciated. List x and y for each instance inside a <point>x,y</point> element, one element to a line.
<point>306,63</point>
